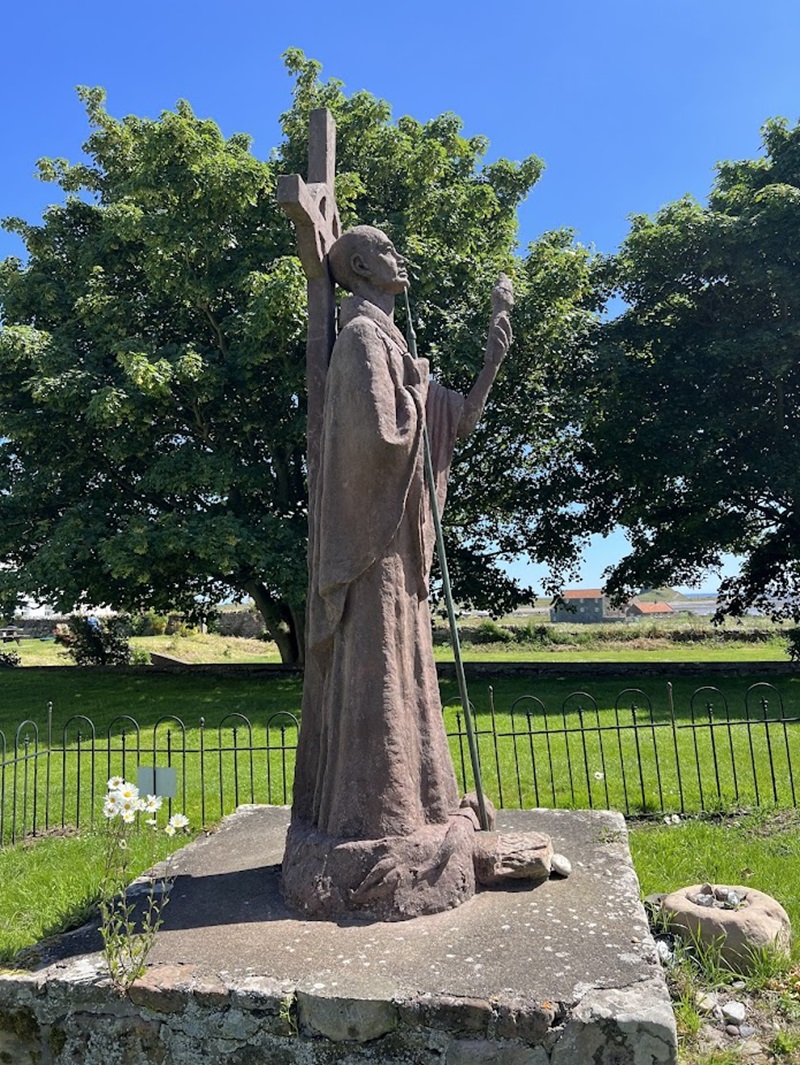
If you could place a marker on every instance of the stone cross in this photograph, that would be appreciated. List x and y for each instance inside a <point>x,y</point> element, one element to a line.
<point>312,207</point>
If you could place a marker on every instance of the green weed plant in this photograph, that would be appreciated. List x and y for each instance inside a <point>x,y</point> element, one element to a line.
<point>129,929</point>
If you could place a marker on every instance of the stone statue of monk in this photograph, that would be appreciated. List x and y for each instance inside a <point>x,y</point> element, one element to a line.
<point>377,829</point>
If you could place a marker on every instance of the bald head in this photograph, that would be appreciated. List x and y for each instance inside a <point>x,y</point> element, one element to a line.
<point>364,258</point>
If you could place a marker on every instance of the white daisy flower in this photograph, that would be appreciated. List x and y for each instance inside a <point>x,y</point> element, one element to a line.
<point>110,809</point>
<point>129,791</point>
<point>128,816</point>
<point>179,821</point>
<point>115,783</point>
<point>170,830</point>
<point>153,803</point>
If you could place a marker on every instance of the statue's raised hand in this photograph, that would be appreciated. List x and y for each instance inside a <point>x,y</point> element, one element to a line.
<point>500,334</point>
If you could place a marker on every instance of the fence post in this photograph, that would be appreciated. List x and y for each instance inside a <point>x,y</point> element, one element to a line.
<point>47,765</point>
<point>671,704</point>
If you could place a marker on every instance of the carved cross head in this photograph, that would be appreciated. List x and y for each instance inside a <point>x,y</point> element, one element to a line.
<point>312,205</point>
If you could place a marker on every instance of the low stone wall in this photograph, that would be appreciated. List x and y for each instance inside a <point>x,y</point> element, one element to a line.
<point>173,1016</point>
<point>39,627</point>
<point>555,668</point>
<point>546,670</point>
<point>248,623</point>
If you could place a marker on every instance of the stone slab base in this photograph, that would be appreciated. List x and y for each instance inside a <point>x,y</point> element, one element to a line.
<point>563,973</point>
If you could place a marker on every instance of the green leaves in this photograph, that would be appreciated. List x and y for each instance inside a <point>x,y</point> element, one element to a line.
<point>688,404</point>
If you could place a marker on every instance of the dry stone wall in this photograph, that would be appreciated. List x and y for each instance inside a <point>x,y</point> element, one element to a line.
<point>176,1016</point>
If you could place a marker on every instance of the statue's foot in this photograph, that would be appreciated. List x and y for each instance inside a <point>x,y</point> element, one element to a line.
<point>503,856</point>
<point>400,877</point>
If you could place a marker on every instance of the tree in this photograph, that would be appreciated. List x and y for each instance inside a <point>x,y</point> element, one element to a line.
<point>152,355</point>
<point>690,417</point>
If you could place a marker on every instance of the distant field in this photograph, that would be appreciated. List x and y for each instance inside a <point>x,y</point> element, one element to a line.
<point>195,647</point>
<point>513,639</point>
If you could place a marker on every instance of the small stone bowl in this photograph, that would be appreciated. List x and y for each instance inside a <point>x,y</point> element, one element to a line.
<point>760,922</point>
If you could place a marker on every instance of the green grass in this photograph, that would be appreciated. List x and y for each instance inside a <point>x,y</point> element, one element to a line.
<point>148,695</point>
<point>574,755</point>
<point>51,885</point>
<point>703,652</point>
<point>194,647</point>
<point>145,695</point>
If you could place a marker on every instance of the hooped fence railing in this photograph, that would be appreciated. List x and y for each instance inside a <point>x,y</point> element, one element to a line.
<point>630,756</point>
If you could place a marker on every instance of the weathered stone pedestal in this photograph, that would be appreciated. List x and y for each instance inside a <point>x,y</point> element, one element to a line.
<point>563,973</point>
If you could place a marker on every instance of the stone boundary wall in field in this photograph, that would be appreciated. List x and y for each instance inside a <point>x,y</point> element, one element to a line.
<point>489,670</point>
<point>248,623</point>
<point>38,627</point>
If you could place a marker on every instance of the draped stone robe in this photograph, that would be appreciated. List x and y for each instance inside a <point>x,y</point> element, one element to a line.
<point>373,759</point>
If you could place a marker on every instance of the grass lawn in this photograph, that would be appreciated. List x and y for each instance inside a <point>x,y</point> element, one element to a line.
<point>147,696</point>
<point>760,849</point>
<point>195,647</point>
<point>656,651</point>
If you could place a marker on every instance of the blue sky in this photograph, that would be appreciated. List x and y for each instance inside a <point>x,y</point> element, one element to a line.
<point>629,102</point>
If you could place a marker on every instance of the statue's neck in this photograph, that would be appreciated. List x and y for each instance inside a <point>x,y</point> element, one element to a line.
<point>357,305</point>
<point>383,300</point>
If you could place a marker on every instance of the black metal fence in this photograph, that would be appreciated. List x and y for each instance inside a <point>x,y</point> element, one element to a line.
<point>630,756</point>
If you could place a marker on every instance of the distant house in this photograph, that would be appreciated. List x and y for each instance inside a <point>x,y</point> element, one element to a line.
<point>648,610</point>
<point>580,605</point>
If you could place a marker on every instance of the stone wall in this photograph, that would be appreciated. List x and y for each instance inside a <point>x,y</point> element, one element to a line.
<point>177,1016</point>
<point>240,623</point>
<point>39,627</point>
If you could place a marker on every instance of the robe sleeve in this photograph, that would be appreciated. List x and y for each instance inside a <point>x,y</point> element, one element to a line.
<point>443,413</point>
<point>371,453</point>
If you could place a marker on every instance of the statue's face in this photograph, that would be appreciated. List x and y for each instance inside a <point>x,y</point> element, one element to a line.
<point>382,264</point>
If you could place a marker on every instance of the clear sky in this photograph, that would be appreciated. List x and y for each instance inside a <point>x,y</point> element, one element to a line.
<point>629,102</point>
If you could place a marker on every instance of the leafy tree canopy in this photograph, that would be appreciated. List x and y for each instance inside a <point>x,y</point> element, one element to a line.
<point>689,402</point>
<point>152,355</point>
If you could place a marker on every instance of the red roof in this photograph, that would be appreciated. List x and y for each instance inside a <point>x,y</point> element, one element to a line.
<point>653,608</point>
<point>583,593</point>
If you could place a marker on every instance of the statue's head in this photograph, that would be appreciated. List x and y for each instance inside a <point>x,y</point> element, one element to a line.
<point>364,258</point>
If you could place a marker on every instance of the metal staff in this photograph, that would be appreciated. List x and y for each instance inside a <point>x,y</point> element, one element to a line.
<point>411,337</point>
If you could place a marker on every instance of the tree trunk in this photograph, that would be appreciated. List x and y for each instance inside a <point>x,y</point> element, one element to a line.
<point>285,624</point>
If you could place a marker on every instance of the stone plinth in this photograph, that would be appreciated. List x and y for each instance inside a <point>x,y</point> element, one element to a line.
<point>563,973</point>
